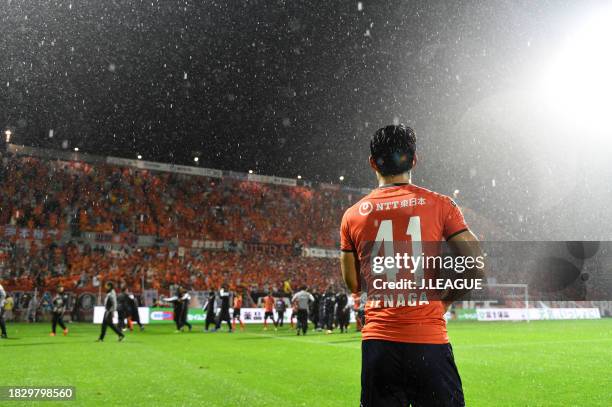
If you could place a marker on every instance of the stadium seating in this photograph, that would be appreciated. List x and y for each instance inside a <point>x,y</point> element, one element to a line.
<point>76,198</point>
<point>60,195</point>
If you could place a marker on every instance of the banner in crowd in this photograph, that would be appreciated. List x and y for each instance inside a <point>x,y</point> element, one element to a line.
<point>269,248</point>
<point>154,166</point>
<point>111,238</point>
<point>318,252</point>
<point>10,232</point>
<point>329,187</point>
<point>521,314</point>
<point>267,179</point>
<point>202,244</point>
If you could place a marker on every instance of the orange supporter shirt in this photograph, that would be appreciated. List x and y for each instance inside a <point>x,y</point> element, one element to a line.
<point>269,303</point>
<point>403,214</point>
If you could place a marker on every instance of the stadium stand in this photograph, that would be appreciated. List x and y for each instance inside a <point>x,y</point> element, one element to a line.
<point>75,223</point>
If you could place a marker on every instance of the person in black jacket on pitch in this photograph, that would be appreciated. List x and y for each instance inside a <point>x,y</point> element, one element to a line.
<point>2,323</point>
<point>180,303</point>
<point>281,308</point>
<point>60,301</point>
<point>132,310</point>
<point>209,310</point>
<point>329,306</point>
<point>185,300</point>
<point>314,308</point>
<point>122,310</point>
<point>224,314</point>
<point>342,311</point>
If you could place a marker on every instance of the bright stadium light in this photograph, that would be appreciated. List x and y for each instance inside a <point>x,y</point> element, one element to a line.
<point>139,157</point>
<point>341,178</point>
<point>76,149</point>
<point>196,159</point>
<point>578,82</point>
<point>250,171</point>
<point>299,177</point>
<point>8,133</point>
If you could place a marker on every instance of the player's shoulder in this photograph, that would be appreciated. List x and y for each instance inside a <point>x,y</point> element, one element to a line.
<point>366,205</point>
<point>359,209</point>
<point>433,196</point>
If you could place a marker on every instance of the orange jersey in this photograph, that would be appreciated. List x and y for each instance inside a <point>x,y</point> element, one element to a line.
<point>238,301</point>
<point>404,214</point>
<point>269,303</point>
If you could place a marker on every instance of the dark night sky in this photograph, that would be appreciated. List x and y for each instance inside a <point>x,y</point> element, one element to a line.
<point>282,87</point>
<point>288,87</point>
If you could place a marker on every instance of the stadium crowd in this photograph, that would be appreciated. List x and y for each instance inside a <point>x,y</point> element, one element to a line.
<point>80,197</point>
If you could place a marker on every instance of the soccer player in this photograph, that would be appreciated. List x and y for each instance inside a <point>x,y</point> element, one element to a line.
<point>184,300</point>
<point>110,306</point>
<point>122,309</point>
<point>209,309</point>
<point>406,355</point>
<point>281,307</point>
<point>268,307</point>
<point>329,306</point>
<point>33,308</point>
<point>342,312</point>
<point>2,322</point>
<point>132,310</point>
<point>236,313</point>
<point>59,303</point>
<point>314,308</point>
<point>302,300</point>
<point>224,314</point>
<point>180,304</point>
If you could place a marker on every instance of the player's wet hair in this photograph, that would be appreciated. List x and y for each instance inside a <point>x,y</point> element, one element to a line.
<point>393,148</point>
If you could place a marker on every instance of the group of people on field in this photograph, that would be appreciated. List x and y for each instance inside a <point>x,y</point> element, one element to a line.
<point>326,311</point>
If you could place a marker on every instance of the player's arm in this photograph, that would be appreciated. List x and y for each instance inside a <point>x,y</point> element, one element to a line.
<point>465,244</point>
<point>349,264</point>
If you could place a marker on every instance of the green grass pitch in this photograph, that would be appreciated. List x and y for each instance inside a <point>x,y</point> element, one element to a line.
<point>550,363</point>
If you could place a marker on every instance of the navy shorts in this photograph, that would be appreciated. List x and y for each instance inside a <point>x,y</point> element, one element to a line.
<point>403,374</point>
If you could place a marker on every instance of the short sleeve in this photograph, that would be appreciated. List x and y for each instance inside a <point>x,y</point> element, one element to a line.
<point>454,222</point>
<point>346,242</point>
